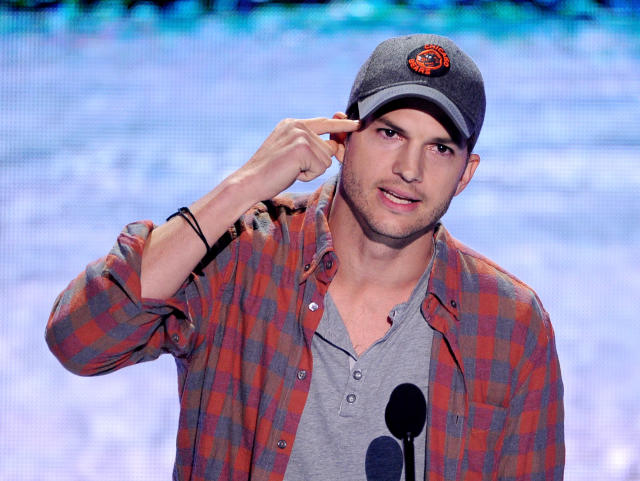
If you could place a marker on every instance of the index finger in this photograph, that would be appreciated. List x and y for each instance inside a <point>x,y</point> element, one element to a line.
<point>323,125</point>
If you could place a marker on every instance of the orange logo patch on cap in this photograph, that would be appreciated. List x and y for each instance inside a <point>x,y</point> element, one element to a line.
<point>430,60</point>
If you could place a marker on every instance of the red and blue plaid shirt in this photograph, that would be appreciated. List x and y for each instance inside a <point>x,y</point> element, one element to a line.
<point>240,330</point>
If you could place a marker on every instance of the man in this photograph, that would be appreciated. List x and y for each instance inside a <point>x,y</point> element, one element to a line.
<point>294,328</point>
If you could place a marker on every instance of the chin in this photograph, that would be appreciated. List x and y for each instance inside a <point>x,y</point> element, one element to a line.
<point>398,235</point>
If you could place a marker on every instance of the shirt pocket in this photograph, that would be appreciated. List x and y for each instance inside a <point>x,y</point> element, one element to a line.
<point>486,427</point>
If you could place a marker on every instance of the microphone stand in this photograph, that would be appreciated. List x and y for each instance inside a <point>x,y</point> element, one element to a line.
<point>409,457</point>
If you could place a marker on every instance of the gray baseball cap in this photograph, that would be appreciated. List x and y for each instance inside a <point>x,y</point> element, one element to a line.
<point>424,66</point>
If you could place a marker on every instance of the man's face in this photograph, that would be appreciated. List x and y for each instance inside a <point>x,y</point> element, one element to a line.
<point>400,172</point>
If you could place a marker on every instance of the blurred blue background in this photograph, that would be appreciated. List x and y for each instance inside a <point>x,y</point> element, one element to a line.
<point>117,111</point>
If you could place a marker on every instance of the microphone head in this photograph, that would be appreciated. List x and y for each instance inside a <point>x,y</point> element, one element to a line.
<point>406,411</point>
<point>384,461</point>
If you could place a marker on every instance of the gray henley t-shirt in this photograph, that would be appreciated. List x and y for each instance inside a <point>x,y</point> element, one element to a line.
<point>342,434</point>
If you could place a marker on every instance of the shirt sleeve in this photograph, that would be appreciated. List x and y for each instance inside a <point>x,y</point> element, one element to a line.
<point>100,323</point>
<point>534,440</point>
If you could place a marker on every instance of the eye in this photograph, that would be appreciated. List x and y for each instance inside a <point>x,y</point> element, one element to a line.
<point>443,149</point>
<point>388,133</point>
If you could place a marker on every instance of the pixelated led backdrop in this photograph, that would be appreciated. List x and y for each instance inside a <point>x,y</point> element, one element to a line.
<point>113,115</point>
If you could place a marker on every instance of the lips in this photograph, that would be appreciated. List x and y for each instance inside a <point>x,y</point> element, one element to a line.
<point>397,197</point>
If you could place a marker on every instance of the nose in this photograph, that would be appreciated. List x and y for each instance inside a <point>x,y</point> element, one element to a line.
<point>409,165</point>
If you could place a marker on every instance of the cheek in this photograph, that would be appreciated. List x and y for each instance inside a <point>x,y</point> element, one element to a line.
<point>440,183</point>
<point>448,171</point>
<point>355,159</point>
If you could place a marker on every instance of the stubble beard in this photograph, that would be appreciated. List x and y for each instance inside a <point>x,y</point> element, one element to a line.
<point>393,235</point>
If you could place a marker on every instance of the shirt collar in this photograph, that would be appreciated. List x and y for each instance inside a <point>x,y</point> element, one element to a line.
<point>444,282</point>
<point>317,240</point>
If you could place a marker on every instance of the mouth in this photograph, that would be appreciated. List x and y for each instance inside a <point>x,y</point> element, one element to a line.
<point>397,197</point>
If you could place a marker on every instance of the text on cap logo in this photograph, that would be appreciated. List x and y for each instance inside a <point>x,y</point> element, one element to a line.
<point>430,60</point>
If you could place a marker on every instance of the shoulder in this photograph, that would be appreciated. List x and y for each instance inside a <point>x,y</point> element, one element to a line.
<point>483,272</point>
<point>285,204</point>
<point>271,216</point>
<point>489,291</point>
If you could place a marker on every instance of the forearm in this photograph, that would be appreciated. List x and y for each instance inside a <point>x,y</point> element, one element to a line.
<point>173,249</point>
<point>294,150</point>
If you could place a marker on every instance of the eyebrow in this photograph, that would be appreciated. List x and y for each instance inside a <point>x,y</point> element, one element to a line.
<point>391,125</point>
<point>436,140</point>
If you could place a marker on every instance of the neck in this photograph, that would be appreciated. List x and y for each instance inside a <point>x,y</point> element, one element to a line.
<point>367,258</point>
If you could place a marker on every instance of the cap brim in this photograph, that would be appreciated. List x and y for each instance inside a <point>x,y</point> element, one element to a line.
<point>373,102</point>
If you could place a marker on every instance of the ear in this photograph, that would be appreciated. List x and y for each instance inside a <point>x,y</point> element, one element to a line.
<point>467,175</point>
<point>339,138</point>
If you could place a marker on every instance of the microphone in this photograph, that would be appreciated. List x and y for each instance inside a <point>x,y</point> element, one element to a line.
<point>405,415</point>
<point>383,461</point>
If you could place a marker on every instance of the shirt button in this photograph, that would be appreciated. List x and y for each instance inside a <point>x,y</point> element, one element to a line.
<point>302,374</point>
<point>175,338</point>
<point>307,267</point>
<point>328,264</point>
<point>357,374</point>
<point>453,303</point>
<point>282,444</point>
<point>313,307</point>
<point>351,398</point>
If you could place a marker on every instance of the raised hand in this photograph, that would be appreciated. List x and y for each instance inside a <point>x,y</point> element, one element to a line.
<point>293,151</point>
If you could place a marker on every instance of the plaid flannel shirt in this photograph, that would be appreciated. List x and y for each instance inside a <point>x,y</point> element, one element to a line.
<point>240,330</point>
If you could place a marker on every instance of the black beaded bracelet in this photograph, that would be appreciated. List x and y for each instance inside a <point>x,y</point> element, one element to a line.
<point>188,216</point>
